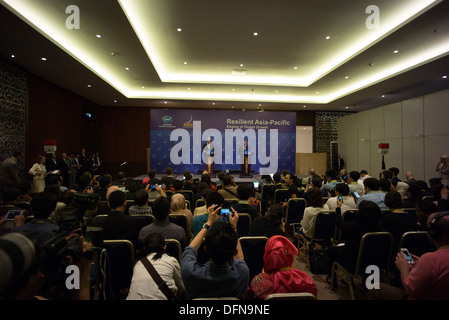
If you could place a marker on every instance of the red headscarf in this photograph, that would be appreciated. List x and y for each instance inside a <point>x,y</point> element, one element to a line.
<point>278,260</point>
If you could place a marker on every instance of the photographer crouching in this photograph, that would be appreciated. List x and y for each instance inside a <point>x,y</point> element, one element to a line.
<point>42,260</point>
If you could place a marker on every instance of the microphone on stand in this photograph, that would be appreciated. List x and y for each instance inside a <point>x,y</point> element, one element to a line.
<point>123,164</point>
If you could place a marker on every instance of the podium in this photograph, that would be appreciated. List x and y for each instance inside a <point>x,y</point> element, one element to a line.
<point>246,166</point>
<point>209,164</point>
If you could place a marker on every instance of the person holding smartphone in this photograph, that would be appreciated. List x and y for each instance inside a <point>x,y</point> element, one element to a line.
<point>226,273</point>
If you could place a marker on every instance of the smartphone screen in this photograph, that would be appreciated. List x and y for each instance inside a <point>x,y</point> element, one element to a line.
<point>12,213</point>
<point>407,255</point>
<point>153,186</point>
<point>224,212</point>
<point>340,198</point>
<point>356,194</point>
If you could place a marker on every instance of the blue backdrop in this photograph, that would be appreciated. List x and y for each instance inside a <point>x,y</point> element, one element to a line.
<point>179,136</point>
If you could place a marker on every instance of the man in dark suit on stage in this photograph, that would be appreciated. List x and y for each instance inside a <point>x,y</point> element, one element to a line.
<point>65,167</point>
<point>339,163</point>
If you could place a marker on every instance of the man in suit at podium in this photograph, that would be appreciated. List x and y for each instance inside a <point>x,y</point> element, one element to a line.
<point>245,170</point>
<point>208,157</point>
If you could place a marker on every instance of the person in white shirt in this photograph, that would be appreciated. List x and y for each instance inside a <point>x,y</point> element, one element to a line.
<point>315,206</point>
<point>39,172</point>
<point>342,190</point>
<point>143,287</point>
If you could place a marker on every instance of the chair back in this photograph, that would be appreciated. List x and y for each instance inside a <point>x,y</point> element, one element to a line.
<point>129,204</point>
<point>295,210</point>
<point>181,220</point>
<point>243,224</point>
<point>375,249</point>
<point>325,226</point>
<point>280,195</point>
<point>121,257</point>
<point>103,207</point>
<point>143,220</point>
<point>417,242</point>
<point>253,248</point>
<point>350,215</point>
<point>266,191</point>
<point>174,248</point>
<point>199,203</point>
<point>291,296</point>
<point>189,196</point>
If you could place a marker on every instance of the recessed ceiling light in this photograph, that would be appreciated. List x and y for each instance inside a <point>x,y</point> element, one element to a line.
<point>213,103</point>
<point>317,92</point>
<point>260,104</point>
<point>395,51</point>
<point>98,35</point>
<point>347,107</point>
<point>303,106</point>
<point>89,86</point>
<point>179,29</point>
<point>296,68</point>
<point>44,59</point>
<point>185,62</point>
<point>13,56</point>
<point>276,91</point>
<point>115,101</point>
<point>444,77</point>
<point>346,77</point>
<point>241,64</point>
<point>233,89</point>
<point>143,87</point>
<point>255,33</point>
<point>328,37</point>
<point>383,96</point>
<point>165,101</point>
<point>126,68</point>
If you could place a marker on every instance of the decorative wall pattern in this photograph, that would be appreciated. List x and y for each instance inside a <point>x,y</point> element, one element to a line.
<point>326,131</point>
<point>13,111</point>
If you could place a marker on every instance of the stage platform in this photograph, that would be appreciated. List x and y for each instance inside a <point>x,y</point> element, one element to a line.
<point>237,178</point>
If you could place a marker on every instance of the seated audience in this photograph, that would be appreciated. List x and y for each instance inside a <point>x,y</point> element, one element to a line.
<point>372,193</point>
<point>203,209</point>
<point>412,195</point>
<point>162,224</point>
<point>397,221</point>
<point>428,277</point>
<point>331,181</point>
<point>424,208</point>
<point>226,273</point>
<point>315,206</point>
<point>178,205</point>
<point>353,184</point>
<point>141,201</point>
<point>228,191</point>
<point>42,205</point>
<point>368,220</point>
<point>278,276</point>
<point>213,198</point>
<point>341,189</point>
<point>243,206</point>
<point>270,224</point>
<point>143,286</point>
<point>116,225</point>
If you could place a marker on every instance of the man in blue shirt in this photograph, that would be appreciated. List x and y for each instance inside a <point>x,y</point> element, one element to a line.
<point>226,273</point>
<point>373,193</point>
